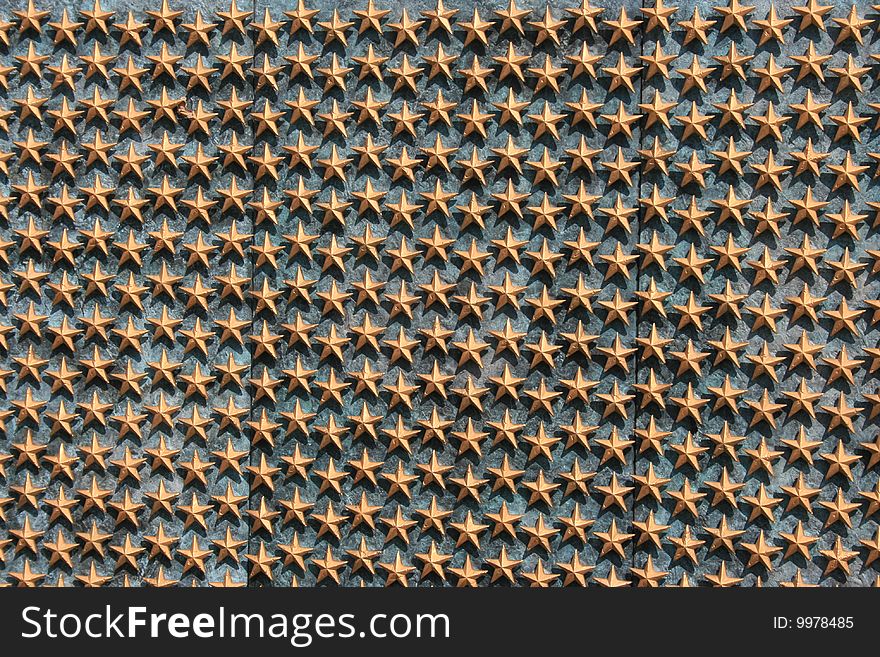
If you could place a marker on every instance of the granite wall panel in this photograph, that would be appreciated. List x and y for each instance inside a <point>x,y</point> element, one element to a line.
<point>460,293</point>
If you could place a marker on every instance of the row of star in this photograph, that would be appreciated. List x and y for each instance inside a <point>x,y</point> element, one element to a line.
<point>734,15</point>
<point>372,67</point>
<point>540,535</point>
<point>581,112</point>
<point>30,410</point>
<point>372,201</point>
<point>687,456</point>
<point>576,573</point>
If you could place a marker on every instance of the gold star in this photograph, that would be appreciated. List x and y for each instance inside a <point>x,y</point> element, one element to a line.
<point>811,15</point>
<point>851,26</point>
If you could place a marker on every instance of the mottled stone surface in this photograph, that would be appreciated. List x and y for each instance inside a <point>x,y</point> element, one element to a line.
<point>277,404</point>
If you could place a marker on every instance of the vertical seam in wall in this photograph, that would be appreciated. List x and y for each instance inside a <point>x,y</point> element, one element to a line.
<point>250,300</point>
<point>638,308</point>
